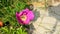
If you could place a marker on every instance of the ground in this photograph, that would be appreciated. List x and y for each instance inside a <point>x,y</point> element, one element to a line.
<point>45,23</point>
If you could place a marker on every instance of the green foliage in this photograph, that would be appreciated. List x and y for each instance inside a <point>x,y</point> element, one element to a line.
<point>8,9</point>
<point>11,30</point>
<point>5,3</point>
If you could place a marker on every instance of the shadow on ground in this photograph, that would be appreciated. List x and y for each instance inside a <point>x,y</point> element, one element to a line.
<point>37,15</point>
<point>31,27</point>
<point>54,11</point>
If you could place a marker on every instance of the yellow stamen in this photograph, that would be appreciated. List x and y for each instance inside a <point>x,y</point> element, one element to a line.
<point>23,17</point>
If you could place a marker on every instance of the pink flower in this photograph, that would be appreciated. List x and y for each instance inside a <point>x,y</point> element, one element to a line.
<point>25,16</point>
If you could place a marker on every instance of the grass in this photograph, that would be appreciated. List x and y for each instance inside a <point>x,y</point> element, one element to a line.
<point>8,8</point>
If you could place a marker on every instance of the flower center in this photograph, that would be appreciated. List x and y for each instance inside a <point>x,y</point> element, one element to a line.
<point>23,17</point>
